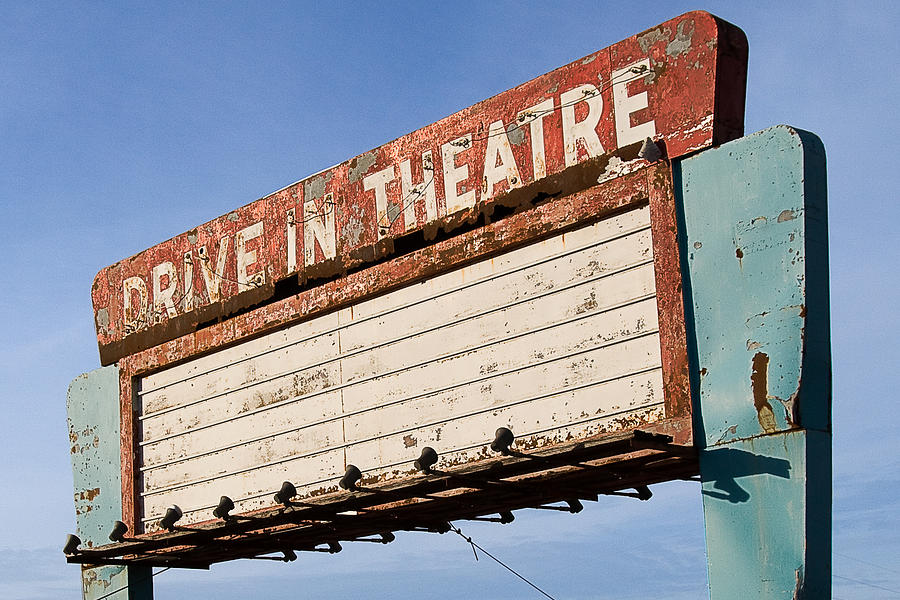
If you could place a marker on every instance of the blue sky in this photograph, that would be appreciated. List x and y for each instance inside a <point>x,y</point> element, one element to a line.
<point>122,124</point>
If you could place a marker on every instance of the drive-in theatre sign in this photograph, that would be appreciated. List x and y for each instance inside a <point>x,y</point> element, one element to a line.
<point>375,334</point>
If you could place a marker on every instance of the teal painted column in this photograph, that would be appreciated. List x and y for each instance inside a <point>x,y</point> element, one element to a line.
<point>94,427</point>
<point>756,285</point>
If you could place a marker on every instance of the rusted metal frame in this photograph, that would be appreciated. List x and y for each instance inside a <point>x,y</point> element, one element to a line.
<point>585,203</point>
<point>391,519</point>
<point>562,455</point>
<point>410,516</point>
<point>174,562</point>
<point>670,298</point>
<point>130,449</point>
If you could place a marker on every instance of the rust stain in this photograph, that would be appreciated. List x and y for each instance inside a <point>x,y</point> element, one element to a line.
<point>88,495</point>
<point>759,383</point>
<point>786,215</point>
<point>792,409</point>
<point>409,441</point>
<point>589,304</point>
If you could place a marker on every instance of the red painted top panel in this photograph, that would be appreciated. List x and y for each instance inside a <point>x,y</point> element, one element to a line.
<point>680,83</point>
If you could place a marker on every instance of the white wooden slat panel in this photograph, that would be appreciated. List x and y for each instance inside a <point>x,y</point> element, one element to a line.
<point>498,323</point>
<point>556,339</point>
<point>501,291</point>
<point>551,413</point>
<point>603,230</point>
<point>256,405</point>
<point>510,386</point>
<point>296,439</point>
<point>213,364</point>
<point>260,484</point>
<point>515,355</point>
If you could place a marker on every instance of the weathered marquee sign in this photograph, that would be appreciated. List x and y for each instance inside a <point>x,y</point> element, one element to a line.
<point>515,265</point>
<point>680,83</point>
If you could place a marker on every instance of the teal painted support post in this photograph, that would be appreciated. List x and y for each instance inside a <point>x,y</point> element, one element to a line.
<point>93,414</point>
<point>756,282</point>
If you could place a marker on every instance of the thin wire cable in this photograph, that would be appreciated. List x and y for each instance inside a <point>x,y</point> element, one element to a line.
<point>865,562</point>
<point>871,585</point>
<point>125,587</point>
<point>457,531</point>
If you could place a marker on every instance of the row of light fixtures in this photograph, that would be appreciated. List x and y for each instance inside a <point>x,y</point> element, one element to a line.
<point>502,443</point>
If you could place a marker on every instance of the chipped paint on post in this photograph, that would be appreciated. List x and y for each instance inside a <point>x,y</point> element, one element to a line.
<point>681,83</point>
<point>93,419</point>
<point>754,213</point>
<point>766,332</point>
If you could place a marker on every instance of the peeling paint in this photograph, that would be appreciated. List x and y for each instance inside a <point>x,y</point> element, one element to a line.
<point>360,165</point>
<point>314,188</point>
<point>759,384</point>
<point>787,215</point>
<point>103,319</point>
<point>683,39</point>
<point>660,34</point>
<point>516,134</point>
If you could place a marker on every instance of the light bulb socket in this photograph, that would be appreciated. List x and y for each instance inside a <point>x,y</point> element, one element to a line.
<point>503,439</point>
<point>427,459</point>
<point>284,495</point>
<point>173,514</point>
<point>118,532</point>
<point>72,543</point>
<point>351,477</point>
<point>222,510</point>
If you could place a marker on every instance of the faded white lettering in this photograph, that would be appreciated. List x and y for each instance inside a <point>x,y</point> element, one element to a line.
<point>454,175</point>
<point>534,116</point>
<point>213,279</point>
<point>377,182</point>
<point>244,258</point>
<point>624,105</point>
<point>499,162</point>
<point>412,193</point>
<point>318,226</point>
<point>585,130</point>
<point>162,297</point>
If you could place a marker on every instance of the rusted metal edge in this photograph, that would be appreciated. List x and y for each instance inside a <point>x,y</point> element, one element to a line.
<point>669,298</point>
<point>86,559</point>
<point>623,454</point>
<point>306,531</point>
